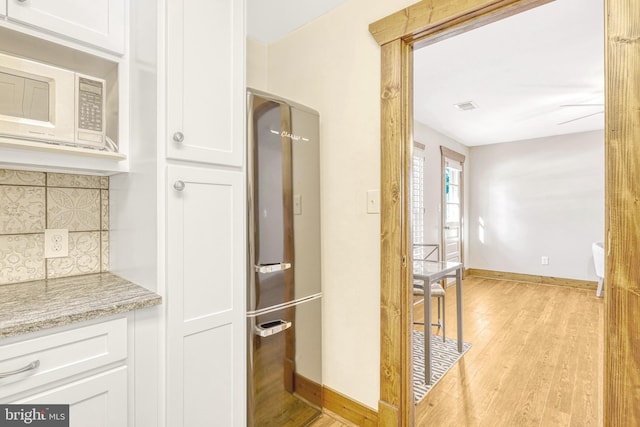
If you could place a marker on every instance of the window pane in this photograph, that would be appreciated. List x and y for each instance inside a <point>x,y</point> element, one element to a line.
<point>453,195</point>
<point>453,212</point>
<point>417,199</point>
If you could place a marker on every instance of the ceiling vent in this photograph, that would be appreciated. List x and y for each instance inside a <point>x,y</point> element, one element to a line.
<point>466,106</point>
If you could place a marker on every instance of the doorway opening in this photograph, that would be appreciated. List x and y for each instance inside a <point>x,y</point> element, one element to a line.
<point>425,23</point>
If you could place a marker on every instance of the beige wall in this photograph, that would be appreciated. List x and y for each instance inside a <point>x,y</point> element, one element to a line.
<point>332,65</point>
<point>256,64</point>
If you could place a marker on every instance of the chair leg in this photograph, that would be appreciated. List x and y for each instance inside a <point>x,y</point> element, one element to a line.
<point>600,283</point>
<point>439,324</point>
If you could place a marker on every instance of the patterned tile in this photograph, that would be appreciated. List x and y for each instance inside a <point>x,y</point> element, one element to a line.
<point>22,209</point>
<point>73,181</point>
<point>104,208</point>
<point>15,177</point>
<point>79,203</point>
<point>73,208</point>
<point>84,256</point>
<point>104,259</point>
<point>21,258</point>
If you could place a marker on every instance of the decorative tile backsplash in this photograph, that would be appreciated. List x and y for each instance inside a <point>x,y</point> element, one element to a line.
<point>33,201</point>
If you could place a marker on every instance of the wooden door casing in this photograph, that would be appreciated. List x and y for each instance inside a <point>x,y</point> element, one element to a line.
<point>427,22</point>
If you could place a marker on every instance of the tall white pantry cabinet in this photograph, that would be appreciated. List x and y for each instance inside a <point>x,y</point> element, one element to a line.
<point>182,210</point>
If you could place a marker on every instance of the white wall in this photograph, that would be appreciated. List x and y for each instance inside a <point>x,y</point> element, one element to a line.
<point>432,170</point>
<point>333,66</point>
<point>542,197</point>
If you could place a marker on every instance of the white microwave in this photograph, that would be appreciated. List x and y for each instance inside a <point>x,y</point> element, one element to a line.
<point>43,103</point>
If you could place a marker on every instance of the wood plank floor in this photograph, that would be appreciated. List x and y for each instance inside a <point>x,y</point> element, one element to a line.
<point>535,360</point>
<point>329,419</point>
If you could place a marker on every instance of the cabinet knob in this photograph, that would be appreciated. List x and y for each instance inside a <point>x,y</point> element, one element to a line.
<point>22,1</point>
<point>178,136</point>
<point>179,185</point>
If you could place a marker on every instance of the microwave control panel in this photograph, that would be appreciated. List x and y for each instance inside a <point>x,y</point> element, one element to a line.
<point>90,104</point>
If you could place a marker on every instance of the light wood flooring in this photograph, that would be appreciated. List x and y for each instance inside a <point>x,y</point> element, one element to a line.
<point>329,419</point>
<point>535,360</point>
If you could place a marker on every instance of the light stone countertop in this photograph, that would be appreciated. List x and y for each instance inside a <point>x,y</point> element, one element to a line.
<point>41,304</point>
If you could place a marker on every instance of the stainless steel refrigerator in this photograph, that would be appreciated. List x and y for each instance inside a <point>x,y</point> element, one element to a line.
<point>284,292</point>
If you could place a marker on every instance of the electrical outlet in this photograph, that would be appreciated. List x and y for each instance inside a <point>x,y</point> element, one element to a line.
<point>544,260</point>
<point>56,242</point>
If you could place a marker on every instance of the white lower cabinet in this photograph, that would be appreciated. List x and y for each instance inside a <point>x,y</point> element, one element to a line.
<point>205,279</point>
<point>96,401</point>
<point>83,366</point>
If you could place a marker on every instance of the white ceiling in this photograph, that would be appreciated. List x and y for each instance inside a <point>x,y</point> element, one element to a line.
<point>519,71</point>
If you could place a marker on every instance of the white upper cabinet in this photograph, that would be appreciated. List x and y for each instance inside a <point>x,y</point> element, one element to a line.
<point>205,67</point>
<point>99,23</point>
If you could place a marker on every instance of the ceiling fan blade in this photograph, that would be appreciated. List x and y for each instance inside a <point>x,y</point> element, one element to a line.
<point>580,118</point>
<point>582,105</point>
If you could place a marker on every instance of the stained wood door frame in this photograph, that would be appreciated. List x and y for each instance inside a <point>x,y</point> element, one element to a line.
<point>427,22</point>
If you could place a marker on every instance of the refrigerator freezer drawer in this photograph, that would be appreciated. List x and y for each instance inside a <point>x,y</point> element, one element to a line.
<point>285,367</point>
<point>271,328</point>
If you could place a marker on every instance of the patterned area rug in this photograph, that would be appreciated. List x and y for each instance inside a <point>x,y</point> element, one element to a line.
<point>443,356</point>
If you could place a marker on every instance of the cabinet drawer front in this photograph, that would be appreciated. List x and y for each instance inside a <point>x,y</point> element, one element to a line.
<point>97,401</point>
<point>62,355</point>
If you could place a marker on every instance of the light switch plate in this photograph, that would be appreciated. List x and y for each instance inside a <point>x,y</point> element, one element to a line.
<point>56,242</point>
<point>297,204</point>
<point>373,201</point>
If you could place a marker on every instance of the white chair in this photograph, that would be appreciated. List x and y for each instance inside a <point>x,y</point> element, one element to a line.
<point>438,292</point>
<point>598,262</point>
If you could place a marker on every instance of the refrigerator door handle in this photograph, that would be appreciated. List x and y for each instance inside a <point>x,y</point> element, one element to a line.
<point>272,268</point>
<point>271,328</point>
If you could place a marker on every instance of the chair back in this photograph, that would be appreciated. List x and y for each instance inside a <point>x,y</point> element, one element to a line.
<point>598,258</point>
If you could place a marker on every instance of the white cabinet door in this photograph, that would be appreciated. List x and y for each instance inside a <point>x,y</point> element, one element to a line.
<point>3,7</point>
<point>97,22</point>
<point>205,280</point>
<point>205,71</point>
<point>97,401</point>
